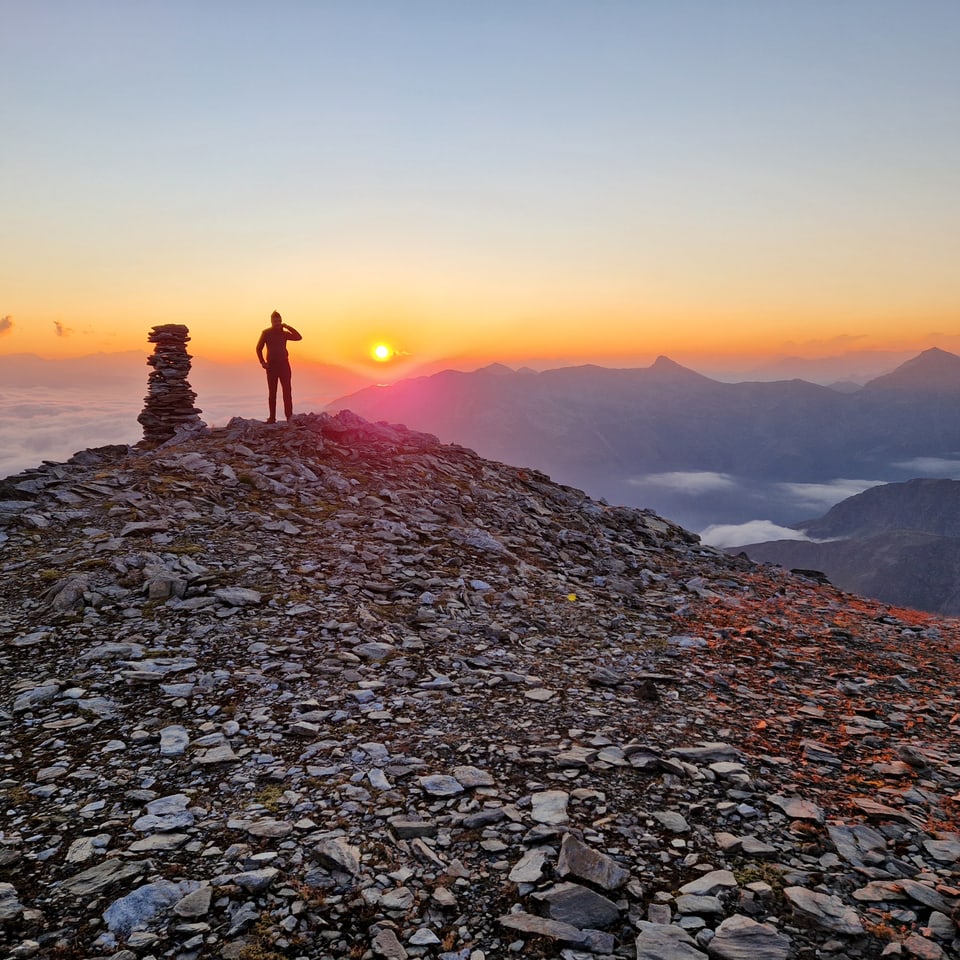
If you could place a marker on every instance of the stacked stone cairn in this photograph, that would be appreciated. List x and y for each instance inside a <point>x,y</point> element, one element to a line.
<point>168,406</point>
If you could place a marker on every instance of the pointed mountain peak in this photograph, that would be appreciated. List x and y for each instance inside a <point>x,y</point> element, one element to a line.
<point>933,371</point>
<point>665,363</point>
<point>666,367</point>
<point>497,369</point>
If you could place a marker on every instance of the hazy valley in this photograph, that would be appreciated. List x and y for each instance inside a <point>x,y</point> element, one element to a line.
<point>700,451</point>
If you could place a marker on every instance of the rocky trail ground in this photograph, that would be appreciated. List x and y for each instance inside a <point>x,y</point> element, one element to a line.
<point>331,689</point>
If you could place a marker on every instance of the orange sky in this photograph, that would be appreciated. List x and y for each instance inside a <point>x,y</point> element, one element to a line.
<point>484,332</point>
<point>556,180</point>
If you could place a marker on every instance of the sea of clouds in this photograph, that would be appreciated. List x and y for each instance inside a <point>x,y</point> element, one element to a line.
<point>744,510</point>
<point>49,424</point>
<point>690,495</point>
<point>53,409</point>
<point>810,499</point>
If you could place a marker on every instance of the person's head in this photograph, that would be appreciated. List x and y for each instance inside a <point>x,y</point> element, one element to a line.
<point>276,319</point>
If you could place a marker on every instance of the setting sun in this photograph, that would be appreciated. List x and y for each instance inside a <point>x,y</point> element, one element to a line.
<point>382,352</point>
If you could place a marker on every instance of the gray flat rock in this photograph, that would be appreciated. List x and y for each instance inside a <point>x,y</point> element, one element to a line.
<point>578,905</point>
<point>711,883</point>
<point>10,906</point>
<point>824,911</point>
<point>159,843</point>
<point>194,904</point>
<point>95,880</point>
<point>688,903</point>
<point>529,868</point>
<point>550,807</point>
<point>581,861</point>
<point>338,854</point>
<point>658,941</point>
<point>238,596</point>
<point>796,808</point>
<point>543,927</point>
<point>741,938</point>
<point>386,944</point>
<point>174,741</point>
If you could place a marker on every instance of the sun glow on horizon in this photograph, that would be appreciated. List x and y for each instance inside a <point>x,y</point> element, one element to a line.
<point>382,352</point>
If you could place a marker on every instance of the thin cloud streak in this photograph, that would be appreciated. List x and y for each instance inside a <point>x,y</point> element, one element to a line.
<point>726,535</point>
<point>822,496</point>
<point>692,482</point>
<point>931,467</point>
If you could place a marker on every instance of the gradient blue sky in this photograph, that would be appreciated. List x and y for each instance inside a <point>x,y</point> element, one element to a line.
<point>491,180</point>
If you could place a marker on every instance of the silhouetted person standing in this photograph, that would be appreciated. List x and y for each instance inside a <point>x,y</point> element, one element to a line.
<point>277,364</point>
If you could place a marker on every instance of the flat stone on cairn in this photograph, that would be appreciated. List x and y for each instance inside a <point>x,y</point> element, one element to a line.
<point>168,406</point>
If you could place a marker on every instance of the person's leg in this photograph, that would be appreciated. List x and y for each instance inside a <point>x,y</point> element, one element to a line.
<point>273,376</point>
<point>285,383</point>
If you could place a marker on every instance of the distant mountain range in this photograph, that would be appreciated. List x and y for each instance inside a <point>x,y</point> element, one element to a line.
<point>127,372</point>
<point>695,449</point>
<point>898,542</point>
<point>846,371</point>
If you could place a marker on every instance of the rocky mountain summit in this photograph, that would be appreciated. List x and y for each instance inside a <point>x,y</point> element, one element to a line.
<point>331,689</point>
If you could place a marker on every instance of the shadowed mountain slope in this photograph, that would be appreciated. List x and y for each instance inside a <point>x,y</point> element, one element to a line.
<point>606,429</point>
<point>926,506</point>
<point>904,567</point>
<point>660,417</point>
<point>898,542</point>
<point>933,371</point>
